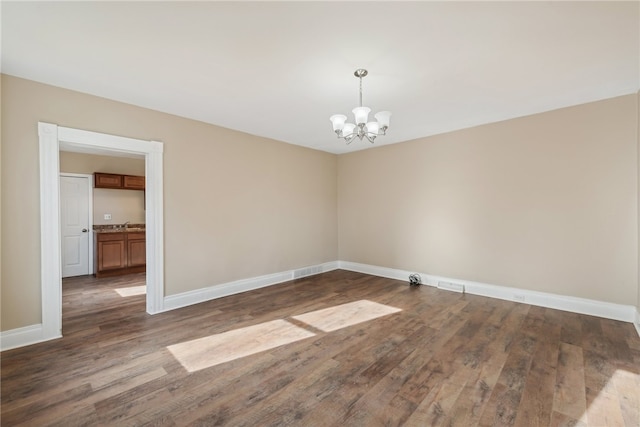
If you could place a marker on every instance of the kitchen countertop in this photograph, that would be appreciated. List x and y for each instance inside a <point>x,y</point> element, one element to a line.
<point>117,228</point>
<point>120,230</point>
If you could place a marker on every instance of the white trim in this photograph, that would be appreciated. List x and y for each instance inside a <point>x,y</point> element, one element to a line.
<point>625,313</point>
<point>90,225</point>
<point>154,218</point>
<point>321,268</point>
<point>389,273</point>
<point>21,337</point>
<point>50,260</point>
<point>35,333</point>
<point>197,296</point>
<point>70,138</point>
<point>51,139</point>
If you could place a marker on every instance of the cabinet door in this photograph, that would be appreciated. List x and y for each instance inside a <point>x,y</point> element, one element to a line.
<point>133,182</point>
<point>136,250</point>
<point>107,180</point>
<point>111,255</point>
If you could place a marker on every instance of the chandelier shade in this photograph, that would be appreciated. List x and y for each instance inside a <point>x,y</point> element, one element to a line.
<point>361,114</point>
<point>348,129</point>
<point>338,121</point>
<point>362,127</point>
<point>373,127</point>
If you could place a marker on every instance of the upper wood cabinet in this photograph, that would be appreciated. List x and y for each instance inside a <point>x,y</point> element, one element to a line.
<point>133,182</point>
<point>121,182</point>
<point>107,180</point>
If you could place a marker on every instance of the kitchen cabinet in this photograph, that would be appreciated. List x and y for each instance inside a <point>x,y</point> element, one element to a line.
<point>111,251</point>
<point>130,182</point>
<point>107,180</point>
<point>119,252</point>
<point>136,249</point>
<point>118,182</point>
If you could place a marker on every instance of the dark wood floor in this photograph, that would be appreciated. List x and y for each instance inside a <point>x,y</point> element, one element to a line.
<point>445,359</point>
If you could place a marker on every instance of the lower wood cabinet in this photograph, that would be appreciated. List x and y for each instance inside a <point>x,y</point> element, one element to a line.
<point>111,251</point>
<point>136,249</point>
<point>120,253</point>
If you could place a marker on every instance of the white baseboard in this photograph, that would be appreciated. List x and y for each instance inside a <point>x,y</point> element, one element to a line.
<point>625,313</point>
<point>21,337</point>
<point>389,273</point>
<point>33,334</point>
<point>173,302</point>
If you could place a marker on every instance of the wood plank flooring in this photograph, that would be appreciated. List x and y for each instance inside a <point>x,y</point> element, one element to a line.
<point>444,359</point>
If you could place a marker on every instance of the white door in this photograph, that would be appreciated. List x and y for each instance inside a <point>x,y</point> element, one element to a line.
<point>74,219</point>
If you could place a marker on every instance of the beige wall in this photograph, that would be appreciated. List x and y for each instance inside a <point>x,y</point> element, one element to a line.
<point>1,223</point>
<point>122,205</point>
<point>235,205</point>
<point>547,202</point>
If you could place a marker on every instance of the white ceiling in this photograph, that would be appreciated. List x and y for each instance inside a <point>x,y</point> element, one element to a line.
<point>280,69</point>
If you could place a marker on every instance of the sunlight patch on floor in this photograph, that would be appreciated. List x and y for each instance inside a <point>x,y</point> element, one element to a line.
<point>341,316</point>
<point>216,349</point>
<point>227,346</point>
<point>131,291</point>
<point>608,409</point>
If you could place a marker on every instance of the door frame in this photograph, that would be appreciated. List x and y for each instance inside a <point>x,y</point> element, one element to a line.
<point>90,225</point>
<point>52,138</point>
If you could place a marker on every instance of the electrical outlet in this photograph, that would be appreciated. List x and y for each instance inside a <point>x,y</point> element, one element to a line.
<point>518,298</point>
<point>107,216</point>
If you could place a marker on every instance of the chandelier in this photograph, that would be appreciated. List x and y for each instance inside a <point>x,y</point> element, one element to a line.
<point>362,128</point>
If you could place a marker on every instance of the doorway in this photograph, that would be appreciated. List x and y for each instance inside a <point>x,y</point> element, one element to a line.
<point>53,138</point>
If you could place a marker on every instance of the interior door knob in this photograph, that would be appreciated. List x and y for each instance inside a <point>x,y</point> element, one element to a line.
<point>84,230</point>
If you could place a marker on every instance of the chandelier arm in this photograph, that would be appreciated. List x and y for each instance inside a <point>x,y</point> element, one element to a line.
<point>370,138</point>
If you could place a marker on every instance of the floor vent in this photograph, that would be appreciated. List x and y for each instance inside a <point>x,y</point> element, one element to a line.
<point>447,286</point>
<point>308,271</point>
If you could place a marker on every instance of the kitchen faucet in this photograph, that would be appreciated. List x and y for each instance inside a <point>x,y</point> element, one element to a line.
<point>125,224</point>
